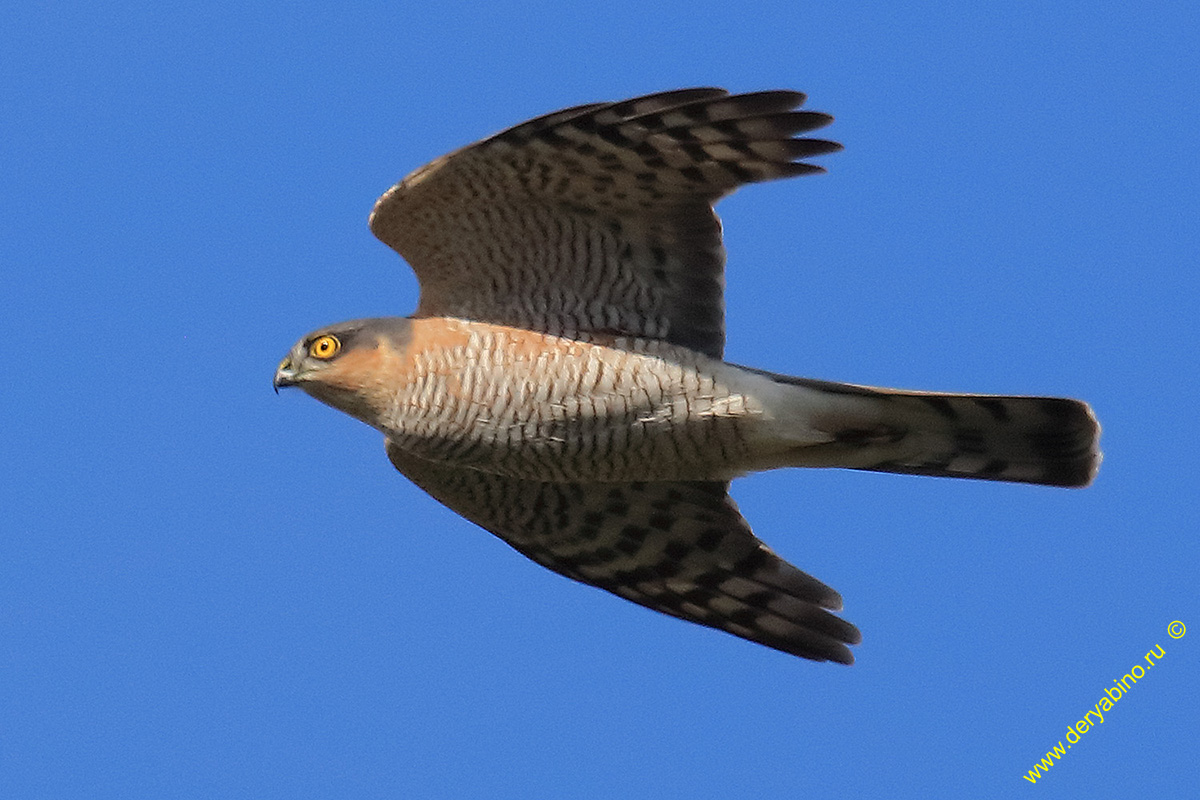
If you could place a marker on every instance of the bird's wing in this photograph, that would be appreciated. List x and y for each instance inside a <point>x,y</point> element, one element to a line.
<point>598,217</point>
<point>679,548</point>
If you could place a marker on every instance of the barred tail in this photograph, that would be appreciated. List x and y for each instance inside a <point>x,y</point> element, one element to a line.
<point>1045,440</point>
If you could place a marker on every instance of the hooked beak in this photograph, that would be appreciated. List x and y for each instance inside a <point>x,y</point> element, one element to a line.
<point>285,375</point>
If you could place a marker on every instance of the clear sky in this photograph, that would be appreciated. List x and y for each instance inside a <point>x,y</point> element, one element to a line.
<point>210,591</point>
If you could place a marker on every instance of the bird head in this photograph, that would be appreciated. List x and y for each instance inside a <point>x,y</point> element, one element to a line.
<point>351,366</point>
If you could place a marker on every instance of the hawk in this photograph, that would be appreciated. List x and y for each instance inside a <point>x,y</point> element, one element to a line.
<point>561,383</point>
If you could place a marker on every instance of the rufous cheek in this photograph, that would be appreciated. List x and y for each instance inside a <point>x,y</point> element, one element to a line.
<point>354,370</point>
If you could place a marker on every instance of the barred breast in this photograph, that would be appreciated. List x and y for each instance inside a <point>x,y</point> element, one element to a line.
<point>542,407</point>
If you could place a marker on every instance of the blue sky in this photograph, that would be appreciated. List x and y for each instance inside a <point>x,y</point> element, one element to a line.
<point>208,590</point>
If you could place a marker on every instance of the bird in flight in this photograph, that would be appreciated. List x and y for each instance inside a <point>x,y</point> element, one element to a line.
<point>562,383</point>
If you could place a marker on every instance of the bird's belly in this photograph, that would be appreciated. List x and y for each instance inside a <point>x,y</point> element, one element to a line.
<point>549,408</point>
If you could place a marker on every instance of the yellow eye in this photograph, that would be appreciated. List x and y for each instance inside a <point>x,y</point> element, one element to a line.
<point>324,347</point>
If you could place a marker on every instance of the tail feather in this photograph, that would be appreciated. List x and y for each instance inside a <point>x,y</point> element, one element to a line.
<point>1045,440</point>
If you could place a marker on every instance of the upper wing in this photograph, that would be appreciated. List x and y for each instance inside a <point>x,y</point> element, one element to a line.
<point>680,548</point>
<point>596,218</point>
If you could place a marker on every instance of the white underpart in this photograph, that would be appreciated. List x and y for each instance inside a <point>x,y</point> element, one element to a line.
<point>578,411</point>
